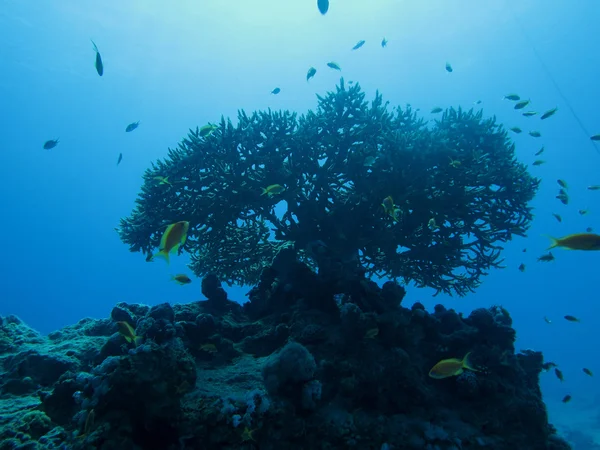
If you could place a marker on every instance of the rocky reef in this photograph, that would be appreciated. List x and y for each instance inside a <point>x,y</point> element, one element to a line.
<point>299,366</point>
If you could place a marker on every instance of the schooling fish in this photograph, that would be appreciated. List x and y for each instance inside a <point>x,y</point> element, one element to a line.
<point>50,144</point>
<point>522,267</point>
<point>557,217</point>
<point>333,65</point>
<point>132,126</point>
<point>529,113</point>
<point>311,73</point>
<point>120,158</point>
<point>522,104</point>
<point>384,42</point>
<point>451,367</point>
<point>549,113</point>
<point>562,183</point>
<point>276,91</point>
<point>595,137</point>
<point>572,318</point>
<point>577,241</point>
<point>512,97</point>
<point>540,151</point>
<point>389,208</point>
<point>546,258</point>
<point>173,238</point>
<point>358,45</point>
<point>207,129</point>
<point>99,65</point>
<point>323,6</point>
<point>538,162</point>
<point>559,374</point>
<point>449,67</point>
<point>587,371</point>
<point>516,130</point>
<point>436,110</point>
<point>566,398</point>
<point>535,134</point>
<point>594,187</point>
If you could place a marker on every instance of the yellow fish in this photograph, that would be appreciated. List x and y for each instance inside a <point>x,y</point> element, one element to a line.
<point>273,190</point>
<point>162,180</point>
<point>577,241</point>
<point>173,238</point>
<point>128,333</point>
<point>451,367</point>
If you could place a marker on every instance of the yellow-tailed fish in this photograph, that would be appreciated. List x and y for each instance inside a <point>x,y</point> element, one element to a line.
<point>173,238</point>
<point>273,189</point>
<point>577,241</point>
<point>549,113</point>
<point>181,279</point>
<point>451,367</point>
<point>128,333</point>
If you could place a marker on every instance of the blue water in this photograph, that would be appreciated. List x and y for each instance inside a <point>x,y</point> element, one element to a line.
<point>177,67</point>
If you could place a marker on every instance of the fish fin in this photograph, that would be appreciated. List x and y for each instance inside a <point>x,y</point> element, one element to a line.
<point>264,191</point>
<point>128,339</point>
<point>553,242</point>
<point>138,340</point>
<point>95,46</point>
<point>466,363</point>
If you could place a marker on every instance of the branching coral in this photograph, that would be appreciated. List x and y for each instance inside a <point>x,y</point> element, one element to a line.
<point>457,188</point>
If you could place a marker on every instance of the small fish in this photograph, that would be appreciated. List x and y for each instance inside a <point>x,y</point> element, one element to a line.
<point>181,279</point>
<point>566,398</point>
<point>549,113</point>
<point>273,189</point>
<point>547,366</point>
<point>524,250</point>
<point>207,130</point>
<point>323,6</point>
<point>562,184</point>
<point>162,180</point>
<point>583,212</point>
<point>546,258</point>
<point>128,333</point>
<point>522,104</point>
<point>522,267</point>
<point>572,318</point>
<point>358,45</point>
<point>594,187</point>
<point>89,422</point>
<point>595,137</point>
<point>209,348</point>
<point>564,198</point>
<point>587,371</point>
<point>172,239</point>
<point>99,65</point>
<point>50,144</point>
<point>389,208</point>
<point>333,65</point>
<point>372,333</point>
<point>478,102</point>
<point>516,130</point>
<point>562,191</point>
<point>132,126</point>
<point>120,158</point>
<point>436,110</point>
<point>577,241</point>
<point>451,367</point>
<point>369,161</point>
<point>431,224</point>
<point>559,374</point>
<point>535,134</point>
<point>311,73</point>
<point>454,163</point>
<point>529,113</point>
<point>276,91</point>
<point>557,217</point>
<point>589,230</point>
<point>540,151</point>
<point>449,67</point>
<point>538,162</point>
<point>384,42</point>
<point>512,97</point>
<point>547,320</point>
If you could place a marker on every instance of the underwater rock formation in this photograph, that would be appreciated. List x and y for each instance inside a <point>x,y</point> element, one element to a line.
<point>277,372</point>
<point>455,192</point>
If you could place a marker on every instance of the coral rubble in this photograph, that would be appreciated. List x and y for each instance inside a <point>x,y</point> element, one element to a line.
<point>296,367</point>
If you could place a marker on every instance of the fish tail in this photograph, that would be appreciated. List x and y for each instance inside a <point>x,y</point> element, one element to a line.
<point>553,242</point>
<point>138,340</point>
<point>466,363</point>
<point>95,46</point>
<point>162,254</point>
<point>264,191</point>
